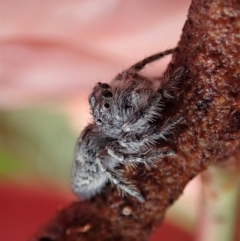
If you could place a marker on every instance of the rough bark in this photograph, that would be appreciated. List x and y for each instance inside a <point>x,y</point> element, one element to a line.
<point>210,50</point>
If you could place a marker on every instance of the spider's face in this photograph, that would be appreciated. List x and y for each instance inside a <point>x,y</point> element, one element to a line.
<point>105,110</point>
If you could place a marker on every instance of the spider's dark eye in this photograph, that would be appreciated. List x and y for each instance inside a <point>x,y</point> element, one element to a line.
<point>107,94</point>
<point>106,105</point>
<point>103,85</point>
<point>99,122</point>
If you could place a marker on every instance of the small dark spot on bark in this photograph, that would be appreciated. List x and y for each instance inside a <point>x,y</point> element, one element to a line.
<point>236,120</point>
<point>170,201</point>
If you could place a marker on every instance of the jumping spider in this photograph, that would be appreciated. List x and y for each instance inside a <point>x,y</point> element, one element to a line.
<point>130,127</point>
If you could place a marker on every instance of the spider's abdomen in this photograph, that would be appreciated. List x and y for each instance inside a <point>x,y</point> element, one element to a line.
<point>87,177</point>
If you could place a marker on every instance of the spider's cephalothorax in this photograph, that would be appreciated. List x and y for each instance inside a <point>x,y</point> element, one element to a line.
<point>112,106</point>
<point>130,127</point>
<point>132,101</point>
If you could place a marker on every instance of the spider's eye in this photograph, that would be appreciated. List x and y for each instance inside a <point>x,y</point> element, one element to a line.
<point>99,122</point>
<point>106,105</point>
<point>107,94</point>
<point>103,85</point>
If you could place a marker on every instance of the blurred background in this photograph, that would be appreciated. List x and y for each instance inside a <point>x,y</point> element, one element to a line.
<point>52,54</point>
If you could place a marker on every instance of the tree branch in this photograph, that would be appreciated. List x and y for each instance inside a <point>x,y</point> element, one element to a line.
<point>210,50</point>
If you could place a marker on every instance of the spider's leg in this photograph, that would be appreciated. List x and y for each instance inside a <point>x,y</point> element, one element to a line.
<point>149,158</point>
<point>115,150</point>
<point>146,153</point>
<point>155,105</point>
<point>123,185</point>
<point>141,64</point>
<point>166,129</point>
<point>170,81</point>
<point>128,146</point>
<point>140,121</point>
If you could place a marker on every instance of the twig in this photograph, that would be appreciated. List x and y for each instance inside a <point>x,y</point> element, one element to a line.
<point>209,49</point>
<point>220,204</point>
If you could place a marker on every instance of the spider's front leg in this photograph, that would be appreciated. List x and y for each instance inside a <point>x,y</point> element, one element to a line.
<point>142,119</point>
<point>133,151</point>
<point>124,186</point>
<point>115,150</point>
<point>154,108</point>
<point>144,148</point>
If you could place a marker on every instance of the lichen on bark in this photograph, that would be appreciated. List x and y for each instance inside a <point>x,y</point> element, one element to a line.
<point>210,50</point>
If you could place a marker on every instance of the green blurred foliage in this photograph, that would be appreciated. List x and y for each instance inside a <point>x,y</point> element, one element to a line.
<point>36,143</point>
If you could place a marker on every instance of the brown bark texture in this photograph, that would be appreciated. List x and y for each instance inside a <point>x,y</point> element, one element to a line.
<point>210,50</point>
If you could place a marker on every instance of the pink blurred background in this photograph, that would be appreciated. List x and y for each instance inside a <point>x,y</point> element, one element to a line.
<point>52,53</point>
<point>55,49</point>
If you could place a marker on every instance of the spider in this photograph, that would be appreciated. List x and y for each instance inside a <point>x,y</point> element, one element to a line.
<point>129,127</point>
